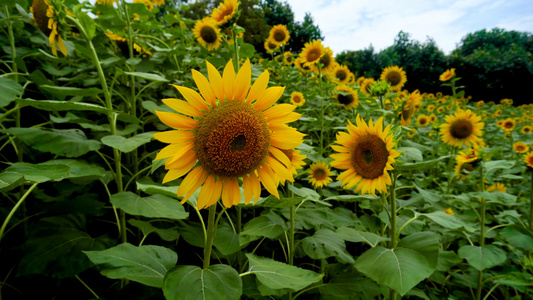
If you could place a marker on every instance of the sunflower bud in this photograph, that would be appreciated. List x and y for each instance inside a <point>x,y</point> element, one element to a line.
<point>380,88</point>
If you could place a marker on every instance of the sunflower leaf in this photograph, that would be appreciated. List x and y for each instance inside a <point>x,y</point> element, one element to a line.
<point>155,206</point>
<point>10,91</point>
<point>326,243</point>
<point>419,165</point>
<point>147,76</point>
<point>70,91</point>
<point>54,105</point>
<point>127,145</point>
<point>482,258</point>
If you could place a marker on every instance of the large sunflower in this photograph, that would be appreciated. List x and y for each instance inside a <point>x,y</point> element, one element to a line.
<point>447,75</point>
<point>225,12</point>
<point>207,33</point>
<point>366,153</point>
<point>346,96</point>
<point>279,35</point>
<point>395,76</point>
<point>311,53</point>
<point>464,127</point>
<point>46,14</point>
<point>232,134</point>
<point>341,74</point>
<point>319,174</point>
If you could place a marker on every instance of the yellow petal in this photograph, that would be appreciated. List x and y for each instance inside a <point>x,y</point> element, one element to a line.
<point>62,46</point>
<point>185,149</point>
<point>258,87</point>
<point>187,158</point>
<point>231,191</point>
<point>248,191</point>
<point>190,181</point>
<point>256,186</point>
<point>279,155</point>
<point>216,81</point>
<point>176,121</point>
<point>207,192</point>
<point>286,139</point>
<point>183,107</point>
<point>278,111</point>
<point>168,151</point>
<point>192,97</point>
<point>279,169</point>
<point>268,179</point>
<point>196,185</point>
<point>177,173</point>
<point>174,136</point>
<point>204,87</point>
<point>216,192</point>
<point>269,97</point>
<point>228,79</point>
<point>242,84</point>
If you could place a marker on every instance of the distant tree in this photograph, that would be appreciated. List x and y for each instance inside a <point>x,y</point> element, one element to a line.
<point>361,62</point>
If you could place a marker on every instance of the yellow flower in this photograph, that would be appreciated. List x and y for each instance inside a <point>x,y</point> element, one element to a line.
<point>319,174</point>
<point>326,61</point>
<point>341,74</point>
<point>449,211</point>
<point>207,33</point>
<point>288,58</point>
<point>464,127</point>
<point>297,98</point>
<point>470,156</point>
<point>528,159</point>
<point>279,35</point>
<point>46,15</point>
<point>395,76</point>
<point>520,147</point>
<point>346,96</point>
<point>412,102</point>
<point>447,75</point>
<point>270,46</point>
<point>106,2</point>
<point>122,44</point>
<point>296,159</point>
<point>498,187</point>
<point>422,120</point>
<point>366,84</point>
<point>226,133</point>
<point>311,53</point>
<point>225,12</point>
<point>366,153</point>
<point>526,129</point>
<point>462,171</point>
<point>508,124</point>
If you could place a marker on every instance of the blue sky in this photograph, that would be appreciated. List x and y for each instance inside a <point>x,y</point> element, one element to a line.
<point>355,24</point>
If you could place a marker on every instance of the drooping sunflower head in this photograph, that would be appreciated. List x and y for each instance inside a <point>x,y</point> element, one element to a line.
<point>366,153</point>
<point>470,155</point>
<point>311,53</point>
<point>341,74</point>
<point>207,33</point>
<point>528,159</point>
<point>497,187</point>
<point>300,66</point>
<point>229,132</point>
<point>297,98</point>
<point>508,124</point>
<point>346,96</point>
<point>279,35</point>
<point>319,174</point>
<point>526,129</point>
<point>270,46</point>
<point>462,171</point>
<point>49,15</point>
<point>226,13</point>
<point>412,102</point>
<point>422,121</point>
<point>520,147</point>
<point>366,85</point>
<point>462,128</point>
<point>395,76</point>
<point>447,75</point>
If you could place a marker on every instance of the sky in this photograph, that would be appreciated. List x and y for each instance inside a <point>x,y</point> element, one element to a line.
<point>356,24</point>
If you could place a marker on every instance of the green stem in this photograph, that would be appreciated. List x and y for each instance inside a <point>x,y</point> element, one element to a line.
<point>12,43</point>
<point>450,173</point>
<point>238,231</point>
<point>210,235</point>
<point>482,231</point>
<point>86,286</point>
<point>392,231</point>
<point>321,108</point>
<point>7,113</point>
<point>14,209</point>
<point>236,50</point>
<point>292,214</point>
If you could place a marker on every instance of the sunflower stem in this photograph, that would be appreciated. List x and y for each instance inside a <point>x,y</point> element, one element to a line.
<point>12,43</point>
<point>450,173</point>
<point>392,231</point>
<point>236,49</point>
<point>14,209</point>
<point>238,231</point>
<point>210,235</point>
<point>482,230</point>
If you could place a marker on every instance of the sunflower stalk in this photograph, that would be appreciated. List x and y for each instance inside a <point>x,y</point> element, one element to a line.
<point>392,231</point>
<point>236,49</point>
<point>14,68</point>
<point>211,231</point>
<point>14,209</point>
<point>482,229</point>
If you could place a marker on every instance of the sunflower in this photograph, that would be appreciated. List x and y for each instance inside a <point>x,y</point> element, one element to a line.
<point>270,46</point>
<point>508,124</point>
<point>366,153</point>
<point>346,96</point>
<point>122,44</point>
<point>341,74</point>
<point>296,160</point>
<point>480,103</point>
<point>447,75</point>
<point>279,35</point>
<point>422,121</point>
<point>297,98</point>
<point>225,12</point>
<point>431,108</point>
<point>233,134</point>
<point>438,94</point>
<point>319,174</point>
<point>498,187</point>
<point>520,147</point>
<point>288,58</point>
<point>46,14</point>
<point>410,106</point>
<point>464,127</point>
<point>395,76</point>
<point>526,129</point>
<point>432,118</point>
<point>470,156</point>
<point>207,33</point>
<point>311,53</point>
<point>326,61</point>
<point>448,211</point>
<point>528,159</point>
<point>360,80</point>
<point>462,171</point>
<point>365,85</point>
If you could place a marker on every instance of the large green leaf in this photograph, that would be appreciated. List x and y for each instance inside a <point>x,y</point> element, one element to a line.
<point>15,174</point>
<point>145,264</point>
<point>498,164</point>
<point>349,284</point>
<point>447,259</point>
<point>167,234</point>
<point>420,165</point>
<point>277,275</point>
<point>79,169</point>
<point>447,221</point>
<point>518,237</point>
<point>269,225</point>
<point>356,236</point>
<point>147,76</point>
<point>151,189</point>
<point>54,105</point>
<point>400,269</point>
<point>482,258</point>
<point>127,144</point>
<point>217,282</point>
<point>11,90</point>
<point>426,243</point>
<point>226,240</point>
<point>154,206</point>
<point>70,91</point>
<point>326,243</point>
<point>54,247</point>
<point>63,142</point>
<point>273,201</point>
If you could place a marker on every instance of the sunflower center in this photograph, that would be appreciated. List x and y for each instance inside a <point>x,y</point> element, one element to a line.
<point>232,139</point>
<point>461,129</point>
<point>369,156</point>
<point>272,46</point>
<point>319,174</point>
<point>325,60</point>
<point>527,130</point>
<point>208,34</point>
<point>406,114</point>
<point>423,121</point>
<point>296,99</point>
<point>394,78</point>
<point>313,54</point>
<point>279,35</point>
<point>468,167</point>
<point>341,75</point>
<point>345,99</point>
<point>508,125</point>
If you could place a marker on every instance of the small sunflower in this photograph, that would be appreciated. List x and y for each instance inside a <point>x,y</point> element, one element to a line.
<point>366,84</point>
<point>395,76</point>
<point>520,147</point>
<point>288,58</point>
<point>270,46</point>
<point>47,15</point>
<point>207,33</point>
<point>346,96</point>
<point>447,75</point>
<point>438,94</point>
<point>528,159</point>
<point>227,133</point>
<point>508,124</point>
<point>498,187</point>
<point>296,160</point>
<point>432,118</point>
<point>448,211</point>
<point>326,61</point>
<point>464,127</point>
<point>225,12</point>
<point>422,121</point>
<point>297,98</point>
<point>410,106</point>
<point>526,129</point>
<point>431,108</point>
<point>311,53</point>
<point>470,156</point>
<point>341,74</point>
<point>462,171</point>
<point>279,35</point>
<point>319,174</point>
<point>366,153</point>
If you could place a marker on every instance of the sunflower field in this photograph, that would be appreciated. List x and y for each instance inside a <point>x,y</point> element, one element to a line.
<point>146,155</point>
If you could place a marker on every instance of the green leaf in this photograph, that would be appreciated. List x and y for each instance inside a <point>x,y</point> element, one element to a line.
<point>151,189</point>
<point>482,258</point>
<point>147,76</point>
<point>194,283</point>
<point>495,197</point>
<point>167,234</point>
<point>63,142</point>
<point>145,264</point>
<point>447,221</point>
<point>326,243</point>
<point>127,144</point>
<point>87,23</point>
<point>498,164</point>
<point>36,172</point>
<point>53,105</point>
<point>54,247</point>
<point>277,275</point>
<point>420,165</point>
<point>9,181</point>
<point>426,243</point>
<point>79,169</point>
<point>273,201</point>
<point>447,259</point>
<point>517,237</point>
<point>11,90</point>
<point>400,269</point>
<point>351,198</point>
<point>410,154</point>
<point>155,206</point>
<point>70,91</point>
<point>226,240</point>
<point>246,50</point>
<point>356,236</point>
<point>269,225</point>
